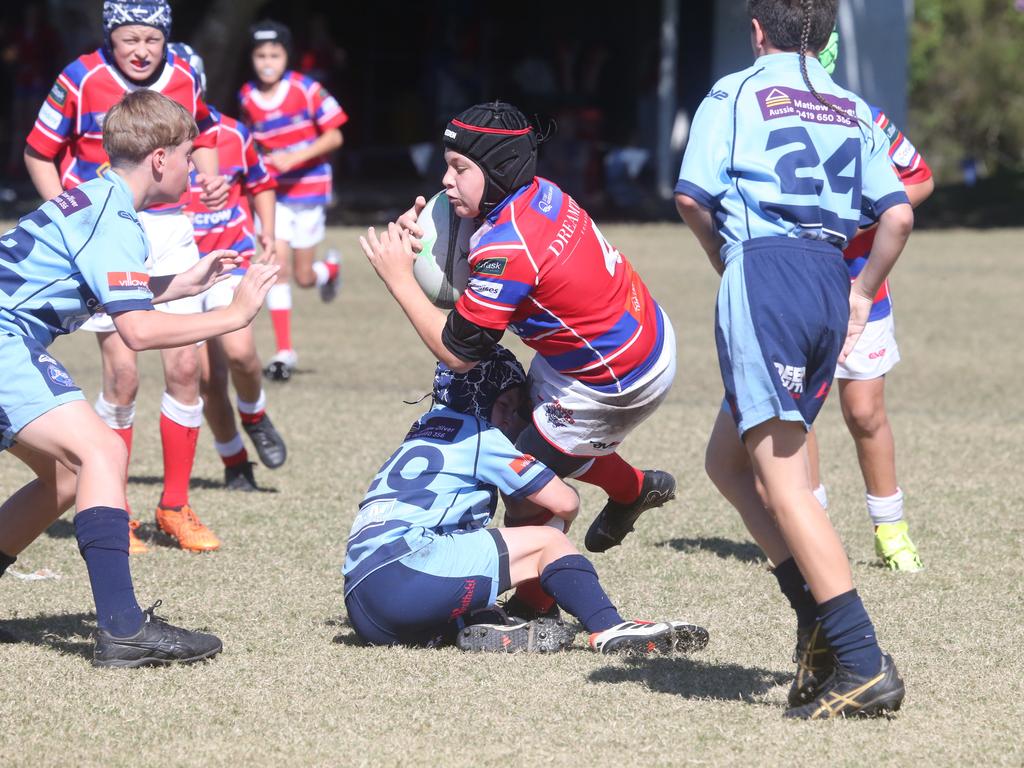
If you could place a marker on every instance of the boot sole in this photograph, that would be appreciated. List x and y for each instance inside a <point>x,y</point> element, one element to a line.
<point>641,646</point>
<point>690,638</point>
<point>534,637</point>
<point>154,661</point>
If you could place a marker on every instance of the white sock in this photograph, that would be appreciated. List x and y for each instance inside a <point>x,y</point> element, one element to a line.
<point>822,496</point>
<point>279,296</point>
<point>259,405</point>
<point>885,509</point>
<point>231,447</point>
<point>190,416</point>
<point>320,269</point>
<point>115,416</point>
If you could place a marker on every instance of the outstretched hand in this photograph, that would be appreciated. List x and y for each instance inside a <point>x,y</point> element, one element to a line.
<point>215,190</point>
<point>252,289</point>
<point>390,255</point>
<point>208,271</point>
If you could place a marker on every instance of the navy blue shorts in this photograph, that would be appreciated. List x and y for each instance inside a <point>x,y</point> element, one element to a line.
<point>780,323</point>
<point>419,599</point>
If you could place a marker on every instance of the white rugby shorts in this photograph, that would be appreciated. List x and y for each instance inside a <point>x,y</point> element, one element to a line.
<point>172,249</point>
<point>299,224</point>
<point>875,353</point>
<point>584,422</point>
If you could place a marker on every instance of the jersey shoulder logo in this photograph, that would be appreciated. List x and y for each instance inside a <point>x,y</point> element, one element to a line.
<point>495,266</point>
<point>59,94</point>
<point>127,281</point>
<point>718,95</point>
<point>71,200</point>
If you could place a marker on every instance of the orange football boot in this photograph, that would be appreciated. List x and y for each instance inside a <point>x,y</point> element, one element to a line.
<point>183,525</point>
<point>136,546</point>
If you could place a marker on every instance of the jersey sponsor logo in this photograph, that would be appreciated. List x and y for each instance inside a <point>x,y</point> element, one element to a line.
<point>558,415</point>
<point>566,230</point>
<point>494,266</point>
<point>522,463</point>
<point>71,200</point>
<point>372,514</point>
<point>46,359</point>
<point>49,116</point>
<point>792,377</point>
<point>891,131</point>
<point>878,353</point>
<point>213,218</point>
<point>443,428</point>
<point>549,202</point>
<point>904,154</point>
<point>450,133</point>
<point>485,288</point>
<point>780,101</point>
<point>597,445</point>
<point>59,94</point>
<point>127,281</point>
<point>718,95</point>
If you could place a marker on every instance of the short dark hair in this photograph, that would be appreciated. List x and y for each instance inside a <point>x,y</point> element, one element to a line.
<point>783,22</point>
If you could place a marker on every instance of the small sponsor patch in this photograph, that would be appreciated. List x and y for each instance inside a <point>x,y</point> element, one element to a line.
<point>485,288</point>
<point>71,200</point>
<point>59,94</point>
<point>450,133</point>
<point>495,266</point>
<point>127,281</point>
<point>904,154</point>
<point>49,116</point>
<point>330,104</point>
<point>891,131</point>
<point>718,95</point>
<point>522,463</point>
<point>443,428</point>
<point>46,359</point>
<point>792,377</point>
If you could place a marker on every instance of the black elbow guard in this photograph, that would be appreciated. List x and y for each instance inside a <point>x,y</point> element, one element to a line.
<point>467,340</point>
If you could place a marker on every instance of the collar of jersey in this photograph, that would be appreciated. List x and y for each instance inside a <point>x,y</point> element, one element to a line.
<point>786,60</point>
<point>493,215</point>
<point>122,185</point>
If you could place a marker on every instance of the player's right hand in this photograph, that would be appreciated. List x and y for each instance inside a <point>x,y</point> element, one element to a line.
<point>860,311</point>
<point>252,290</point>
<point>408,222</point>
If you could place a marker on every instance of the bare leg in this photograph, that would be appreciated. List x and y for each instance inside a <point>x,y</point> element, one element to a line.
<point>779,456</point>
<point>303,258</point>
<point>863,404</point>
<point>49,496</point>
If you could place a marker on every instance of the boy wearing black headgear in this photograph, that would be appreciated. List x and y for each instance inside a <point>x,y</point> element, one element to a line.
<point>541,267</point>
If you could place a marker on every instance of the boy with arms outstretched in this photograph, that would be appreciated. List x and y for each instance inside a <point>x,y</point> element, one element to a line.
<point>296,124</point>
<point>420,560</point>
<point>64,149</point>
<point>82,252</point>
<point>780,167</point>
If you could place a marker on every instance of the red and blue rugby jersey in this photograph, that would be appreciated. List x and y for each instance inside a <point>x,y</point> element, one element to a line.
<point>231,226</point>
<point>912,169</point>
<point>541,267</point>
<point>70,122</point>
<point>293,116</point>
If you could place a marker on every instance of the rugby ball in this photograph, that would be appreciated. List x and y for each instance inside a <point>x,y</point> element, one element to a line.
<point>442,266</point>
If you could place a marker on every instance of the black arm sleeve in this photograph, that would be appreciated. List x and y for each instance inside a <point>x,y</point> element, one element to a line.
<point>467,340</point>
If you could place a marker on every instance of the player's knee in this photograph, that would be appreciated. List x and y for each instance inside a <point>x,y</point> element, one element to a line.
<point>865,419</point>
<point>305,279</point>
<point>122,384</point>
<point>181,374</point>
<point>245,364</point>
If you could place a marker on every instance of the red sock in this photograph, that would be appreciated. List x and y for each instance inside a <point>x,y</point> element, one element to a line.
<point>621,481</point>
<point>281,319</point>
<point>179,445</point>
<point>531,593</point>
<point>252,418</point>
<point>332,270</point>
<point>236,458</point>
<point>126,435</point>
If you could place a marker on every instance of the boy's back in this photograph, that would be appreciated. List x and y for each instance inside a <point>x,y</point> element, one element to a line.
<point>773,161</point>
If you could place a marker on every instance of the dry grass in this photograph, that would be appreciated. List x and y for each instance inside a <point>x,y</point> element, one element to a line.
<point>293,687</point>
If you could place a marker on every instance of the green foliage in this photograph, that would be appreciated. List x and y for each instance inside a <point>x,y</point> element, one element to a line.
<point>966,83</point>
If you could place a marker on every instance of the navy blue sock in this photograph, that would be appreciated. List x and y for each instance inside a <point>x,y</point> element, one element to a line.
<point>793,586</point>
<point>572,581</point>
<point>6,561</point>
<point>102,534</point>
<point>850,633</point>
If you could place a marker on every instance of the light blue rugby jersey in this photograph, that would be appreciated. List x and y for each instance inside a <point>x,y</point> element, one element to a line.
<point>769,160</point>
<point>444,478</point>
<point>76,254</point>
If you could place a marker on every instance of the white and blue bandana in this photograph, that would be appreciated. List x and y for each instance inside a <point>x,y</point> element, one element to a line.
<point>149,13</point>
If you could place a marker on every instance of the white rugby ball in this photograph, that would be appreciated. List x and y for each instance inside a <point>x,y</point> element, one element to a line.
<point>442,266</point>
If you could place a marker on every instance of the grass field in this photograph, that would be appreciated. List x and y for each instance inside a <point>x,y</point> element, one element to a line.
<point>294,687</point>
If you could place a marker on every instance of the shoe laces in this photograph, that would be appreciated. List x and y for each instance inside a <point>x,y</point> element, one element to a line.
<point>152,616</point>
<point>189,519</point>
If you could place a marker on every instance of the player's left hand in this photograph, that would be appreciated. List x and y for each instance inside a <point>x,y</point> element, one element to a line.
<point>860,310</point>
<point>209,271</point>
<point>268,248</point>
<point>215,191</point>
<point>390,254</point>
